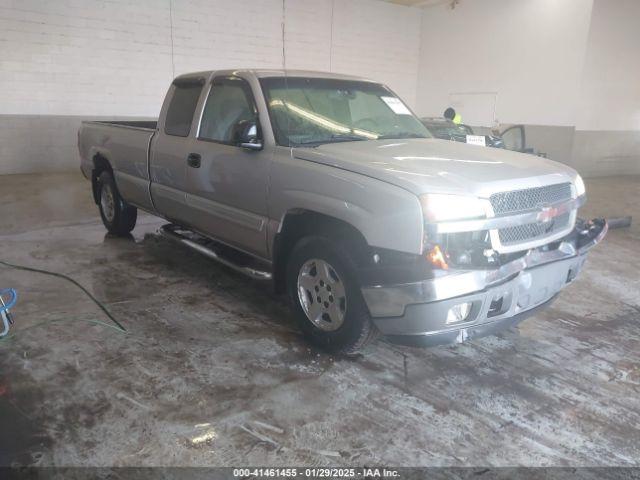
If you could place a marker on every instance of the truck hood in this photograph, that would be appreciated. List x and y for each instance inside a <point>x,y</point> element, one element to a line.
<point>428,165</point>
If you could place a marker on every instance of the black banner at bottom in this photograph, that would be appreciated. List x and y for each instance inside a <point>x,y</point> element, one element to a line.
<point>364,473</point>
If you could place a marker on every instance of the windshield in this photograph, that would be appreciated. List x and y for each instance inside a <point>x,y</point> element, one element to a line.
<point>313,111</point>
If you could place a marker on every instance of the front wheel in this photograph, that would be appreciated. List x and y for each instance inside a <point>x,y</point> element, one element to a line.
<point>117,215</point>
<point>326,297</point>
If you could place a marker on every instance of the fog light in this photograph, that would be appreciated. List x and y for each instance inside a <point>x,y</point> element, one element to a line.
<point>459,313</point>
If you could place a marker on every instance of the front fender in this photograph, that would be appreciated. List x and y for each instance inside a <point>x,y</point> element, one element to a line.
<point>387,216</point>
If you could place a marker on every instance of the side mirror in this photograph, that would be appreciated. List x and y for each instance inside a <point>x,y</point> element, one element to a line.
<point>245,135</point>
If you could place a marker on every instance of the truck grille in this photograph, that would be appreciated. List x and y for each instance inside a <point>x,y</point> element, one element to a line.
<point>529,198</point>
<point>533,231</point>
<point>519,201</point>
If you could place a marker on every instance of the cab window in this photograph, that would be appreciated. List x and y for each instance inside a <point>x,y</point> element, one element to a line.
<point>181,108</point>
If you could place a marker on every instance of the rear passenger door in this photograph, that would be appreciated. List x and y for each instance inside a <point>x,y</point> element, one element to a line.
<point>227,190</point>
<point>170,148</point>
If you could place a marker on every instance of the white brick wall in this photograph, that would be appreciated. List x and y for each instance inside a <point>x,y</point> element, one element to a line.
<point>378,40</point>
<point>226,34</point>
<point>89,58</point>
<point>308,34</point>
<point>114,57</point>
<point>79,57</point>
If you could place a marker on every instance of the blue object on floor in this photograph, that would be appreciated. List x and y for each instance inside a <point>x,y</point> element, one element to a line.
<point>4,308</point>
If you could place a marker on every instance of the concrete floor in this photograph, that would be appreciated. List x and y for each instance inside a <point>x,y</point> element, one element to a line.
<point>210,354</point>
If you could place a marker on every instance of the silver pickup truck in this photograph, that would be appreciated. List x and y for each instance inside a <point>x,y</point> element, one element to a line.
<point>330,187</point>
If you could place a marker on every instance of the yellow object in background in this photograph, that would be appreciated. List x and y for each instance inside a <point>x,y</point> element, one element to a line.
<point>457,119</point>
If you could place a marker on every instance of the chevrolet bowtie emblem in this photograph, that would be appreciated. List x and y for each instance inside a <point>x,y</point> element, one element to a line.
<point>546,214</point>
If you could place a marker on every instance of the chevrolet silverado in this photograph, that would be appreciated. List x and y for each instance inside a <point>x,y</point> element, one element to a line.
<point>330,187</point>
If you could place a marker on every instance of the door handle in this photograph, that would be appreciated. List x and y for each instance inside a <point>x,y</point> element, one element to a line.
<point>193,160</point>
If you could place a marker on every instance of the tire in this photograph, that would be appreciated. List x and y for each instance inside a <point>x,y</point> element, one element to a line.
<point>118,216</point>
<point>345,325</point>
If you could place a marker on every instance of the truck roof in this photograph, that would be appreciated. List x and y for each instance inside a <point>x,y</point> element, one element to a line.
<point>264,73</point>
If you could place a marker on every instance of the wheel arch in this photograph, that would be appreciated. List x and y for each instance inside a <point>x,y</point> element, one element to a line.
<point>101,163</point>
<point>299,223</point>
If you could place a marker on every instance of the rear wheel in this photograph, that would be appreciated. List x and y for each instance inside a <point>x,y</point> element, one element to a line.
<point>117,215</point>
<point>326,297</point>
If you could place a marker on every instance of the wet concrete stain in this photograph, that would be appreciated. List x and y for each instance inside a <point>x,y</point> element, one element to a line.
<point>210,358</point>
<point>23,440</point>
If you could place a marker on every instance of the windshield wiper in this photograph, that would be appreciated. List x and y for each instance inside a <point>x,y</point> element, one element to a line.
<point>338,137</point>
<point>401,135</point>
<point>345,137</point>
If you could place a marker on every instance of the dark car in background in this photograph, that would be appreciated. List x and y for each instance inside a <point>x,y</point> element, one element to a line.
<point>447,130</point>
<point>511,138</point>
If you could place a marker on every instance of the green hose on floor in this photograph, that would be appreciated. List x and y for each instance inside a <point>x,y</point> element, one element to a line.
<point>118,326</point>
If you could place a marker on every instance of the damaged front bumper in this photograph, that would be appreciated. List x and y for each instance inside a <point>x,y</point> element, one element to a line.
<point>494,299</point>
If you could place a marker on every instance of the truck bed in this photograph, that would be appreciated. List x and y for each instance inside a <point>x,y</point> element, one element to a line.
<point>125,143</point>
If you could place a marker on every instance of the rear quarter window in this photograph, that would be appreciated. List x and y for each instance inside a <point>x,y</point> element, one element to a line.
<point>181,109</point>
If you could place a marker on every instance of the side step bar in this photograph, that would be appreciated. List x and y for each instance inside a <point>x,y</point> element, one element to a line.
<point>236,260</point>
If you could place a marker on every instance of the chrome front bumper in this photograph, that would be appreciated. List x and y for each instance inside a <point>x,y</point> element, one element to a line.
<point>421,308</point>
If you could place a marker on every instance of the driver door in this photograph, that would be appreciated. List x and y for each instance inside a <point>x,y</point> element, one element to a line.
<point>226,183</point>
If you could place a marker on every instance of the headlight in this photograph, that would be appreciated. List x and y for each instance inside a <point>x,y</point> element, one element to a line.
<point>441,207</point>
<point>579,183</point>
